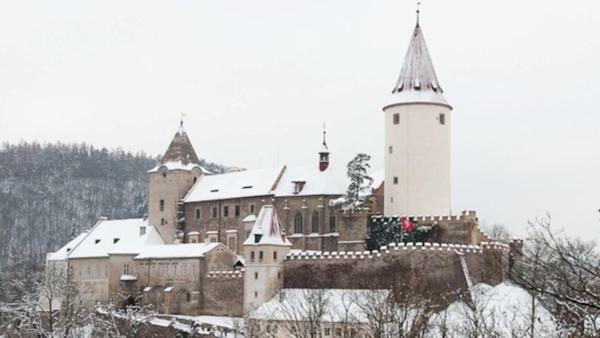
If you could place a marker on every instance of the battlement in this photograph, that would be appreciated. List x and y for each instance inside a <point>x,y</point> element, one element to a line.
<point>398,247</point>
<point>465,215</point>
<point>226,274</point>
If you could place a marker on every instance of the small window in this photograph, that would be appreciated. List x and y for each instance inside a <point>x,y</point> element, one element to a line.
<point>442,119</point>
<point>256,275</point>
<point>115,240</point>
<point>237,211</point>
<point>214,212</point>
<point>252,256</point>
<point>390,150</point>
<point>125,269</point>
<point>162,205</point>
<point>315,222</point>
<point>396,118</point>
<point>395,179</point>
<point>225,211</point>
<point>327,331</point>
<point>260,255</point>
<point>274,255</point>
<point>298,223</point>
<point>162,221</point>
<point>251,208</point>
<point>255,294</point>
<point>332,225</point>
<point>197,213</point>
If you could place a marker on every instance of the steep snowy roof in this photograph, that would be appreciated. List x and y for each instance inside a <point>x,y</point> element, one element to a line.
<point>332,181</point>
<point>62,253</point>
<point>291,304</point>
<point>267,229</point>
<point>180,149</point>
<point>193,250</point>
<point>280,182</point>
<point>116,237</point>
<point>247,183</point>
<point>417,81</point>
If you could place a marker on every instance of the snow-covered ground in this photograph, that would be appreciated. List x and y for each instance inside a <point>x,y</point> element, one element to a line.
<point>505,309</point>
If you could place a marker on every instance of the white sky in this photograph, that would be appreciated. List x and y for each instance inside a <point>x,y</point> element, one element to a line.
<point>258,79</point>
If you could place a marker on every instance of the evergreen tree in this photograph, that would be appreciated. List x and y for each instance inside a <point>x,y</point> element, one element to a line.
<point>359,191</point>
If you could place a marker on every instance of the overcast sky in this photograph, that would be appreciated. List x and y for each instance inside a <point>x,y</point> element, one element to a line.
<point>257,80</point>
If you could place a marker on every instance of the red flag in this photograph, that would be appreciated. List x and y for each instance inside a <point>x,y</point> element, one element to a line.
<point>407,225</point>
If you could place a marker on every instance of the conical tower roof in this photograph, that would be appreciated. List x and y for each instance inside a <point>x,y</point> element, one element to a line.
<point>417,81</point>
<point>180,149</point>
<point>267,229</point>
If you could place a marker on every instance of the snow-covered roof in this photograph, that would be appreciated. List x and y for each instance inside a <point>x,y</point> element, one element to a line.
<point>180,149</point>
<point>378,178</point>
<point>291,304</point>
<point>179,166</point>
<point>332,181</point>
<point>62,253</point>
<point>267,229</point>
<point>247,183</point>
<point>116,237</point>
<point>249,218</point>
<point>417,81</point>
<point>188,250</point>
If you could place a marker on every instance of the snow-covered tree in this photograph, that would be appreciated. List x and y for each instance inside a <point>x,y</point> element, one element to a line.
<point>358,194</point>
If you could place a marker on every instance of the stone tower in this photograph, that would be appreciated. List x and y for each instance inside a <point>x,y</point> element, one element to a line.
<point>417,138</point>
<point>169,182</point>
<point>264,250</point>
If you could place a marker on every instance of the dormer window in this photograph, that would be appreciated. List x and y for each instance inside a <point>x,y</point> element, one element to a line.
<point>97,241</point>
<point>68,249</point>
<point>257,238</point>
<point>298,186</point>
<point>247,187</point>
<point>115,240</point>
<point>214,190</point>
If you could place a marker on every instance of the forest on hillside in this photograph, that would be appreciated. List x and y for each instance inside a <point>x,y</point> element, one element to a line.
<point>51,192</point>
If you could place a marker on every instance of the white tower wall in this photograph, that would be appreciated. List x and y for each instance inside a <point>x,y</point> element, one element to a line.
<point>417,153</point>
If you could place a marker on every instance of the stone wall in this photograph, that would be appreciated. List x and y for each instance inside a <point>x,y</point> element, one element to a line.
<point>432,264</point>
<point>223,294</point>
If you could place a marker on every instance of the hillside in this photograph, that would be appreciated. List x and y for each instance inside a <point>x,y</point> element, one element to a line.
<point>50,192</point>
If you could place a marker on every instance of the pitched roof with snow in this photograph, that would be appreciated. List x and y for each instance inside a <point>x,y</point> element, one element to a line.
<point>63,253</point>
<point>193,250</point>
<point>247,183</point>
<point>417,81</point>
<point>292,304</point>
<point>277,182</point>
<point>332,181</point>
<point>267,229</point>
<point>116,237</point>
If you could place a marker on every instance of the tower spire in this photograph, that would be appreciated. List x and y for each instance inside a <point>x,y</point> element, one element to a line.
<point>324,153</point>
<point>418,12</point>
<point>324,136</point>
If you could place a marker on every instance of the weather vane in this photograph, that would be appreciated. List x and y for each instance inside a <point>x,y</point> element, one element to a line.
<point>181,120</point>
<point>418,11</point>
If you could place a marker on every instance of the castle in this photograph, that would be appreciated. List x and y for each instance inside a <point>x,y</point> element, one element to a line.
<point>226,244</point>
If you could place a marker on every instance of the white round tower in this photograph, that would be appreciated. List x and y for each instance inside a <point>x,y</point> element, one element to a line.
<point>417,138</point>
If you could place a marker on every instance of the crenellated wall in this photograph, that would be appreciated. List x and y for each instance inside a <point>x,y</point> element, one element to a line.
<point>436,265</point>
<point>223,293</point>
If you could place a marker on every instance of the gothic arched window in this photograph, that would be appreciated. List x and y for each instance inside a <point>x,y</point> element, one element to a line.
<point>315,222</point>
<point>332,225</point>
<point>298,223</point>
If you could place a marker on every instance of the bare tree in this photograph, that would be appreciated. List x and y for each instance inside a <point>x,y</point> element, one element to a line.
<point>50,305</point>
<point>303,312</point>
<point>564,272</point>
